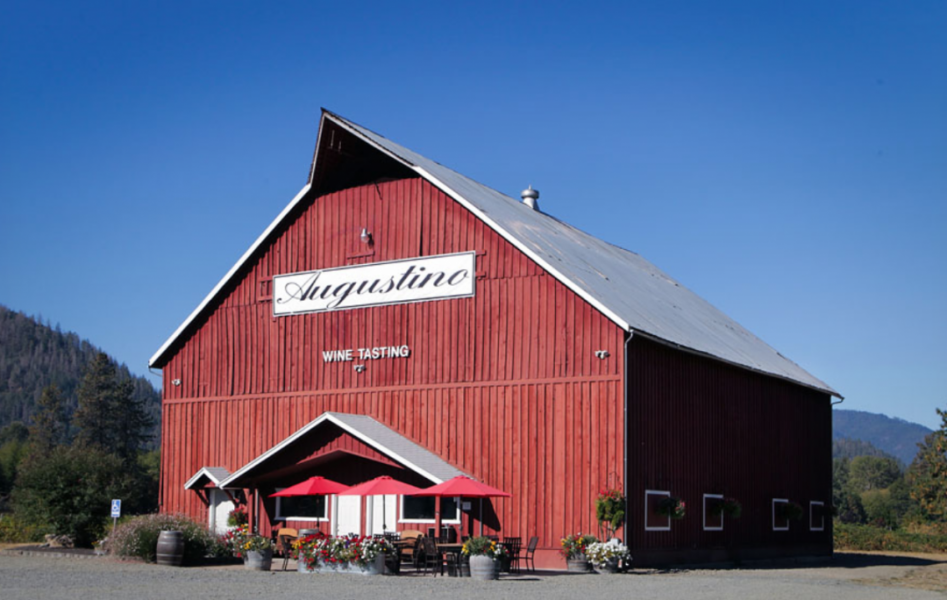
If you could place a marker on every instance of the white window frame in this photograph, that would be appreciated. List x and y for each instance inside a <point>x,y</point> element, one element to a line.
<point>279,507</point>
<point>454,521</point>
<point>647,512</point>
<point>812,506</point>
<point>783,501</point>
<point>712,497</point>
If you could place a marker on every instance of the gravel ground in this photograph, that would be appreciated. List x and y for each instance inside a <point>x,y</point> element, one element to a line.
<point>852,576</point>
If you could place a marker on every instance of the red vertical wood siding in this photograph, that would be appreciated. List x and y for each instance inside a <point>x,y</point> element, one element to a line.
<point>504,385</point>
<point>698,426</point>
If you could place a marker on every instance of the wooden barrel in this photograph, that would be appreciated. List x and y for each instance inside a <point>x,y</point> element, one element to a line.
<point>483,568</point>
<point>170,548</point>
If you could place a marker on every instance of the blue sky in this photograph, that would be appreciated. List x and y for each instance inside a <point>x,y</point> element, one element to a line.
<point>786,161</point>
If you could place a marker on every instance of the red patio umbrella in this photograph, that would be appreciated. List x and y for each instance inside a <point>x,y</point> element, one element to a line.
<point>314,486</point>
<point>382,486</point>
<point>468,488</point>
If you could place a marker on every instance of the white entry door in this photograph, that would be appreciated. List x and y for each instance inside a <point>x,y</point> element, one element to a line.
<point>348,515</point>
<point>218,511</point>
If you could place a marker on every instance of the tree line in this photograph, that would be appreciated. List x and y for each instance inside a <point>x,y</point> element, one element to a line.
<point>34,354</point>
<point>59,473</point>
<point>876,489</point>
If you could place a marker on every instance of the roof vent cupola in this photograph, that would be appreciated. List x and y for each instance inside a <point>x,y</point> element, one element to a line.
<point>530,198</point>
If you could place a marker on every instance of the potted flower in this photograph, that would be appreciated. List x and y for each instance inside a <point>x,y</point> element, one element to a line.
<point>610,511</point>
<point>368,554</point>
<point>730,507</point>
<point>237,517</point>
<point>485,556</point>
<point>605,557</point>
<point>672,507</point>
<point>258,552</point>
<point>234,540</point>
<point>573,549</point>
<point>306,552</point>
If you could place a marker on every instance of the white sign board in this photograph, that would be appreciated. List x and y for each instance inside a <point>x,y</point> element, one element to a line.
<point>376,284</point>
<point>116,509</point>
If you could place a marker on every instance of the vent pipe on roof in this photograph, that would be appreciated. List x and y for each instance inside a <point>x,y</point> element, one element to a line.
<point>530,198</point>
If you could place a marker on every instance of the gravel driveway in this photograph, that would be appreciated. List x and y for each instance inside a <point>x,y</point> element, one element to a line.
<point>848,576</point>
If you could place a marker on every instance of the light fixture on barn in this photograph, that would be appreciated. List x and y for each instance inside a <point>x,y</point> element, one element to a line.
<point>359,368</point>
<point>176,382</point>
<point>366,236</point>
<point>603,354</point>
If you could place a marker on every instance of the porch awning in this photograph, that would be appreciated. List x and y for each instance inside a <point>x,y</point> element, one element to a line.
<point>207,477</point>
<point>380,438</point>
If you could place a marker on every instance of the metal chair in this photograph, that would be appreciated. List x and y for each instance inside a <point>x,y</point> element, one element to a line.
<point>531,554</point>
<point>513,546</point>
<point>284,540</point>
<point>432,557</point>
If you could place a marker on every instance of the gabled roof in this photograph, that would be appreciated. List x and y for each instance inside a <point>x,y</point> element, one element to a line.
<point>626,288</point>
<point>380,437</point>
<point>213,475</point>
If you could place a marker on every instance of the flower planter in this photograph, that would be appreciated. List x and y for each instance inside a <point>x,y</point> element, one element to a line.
<point>376,567</point>
<point>259,560</point>
<point>484,568</point>
<point>578,564</point>
<point>608,567</point>
<point>302,568</point>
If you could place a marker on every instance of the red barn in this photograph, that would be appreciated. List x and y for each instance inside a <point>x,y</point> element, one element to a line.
<point>398,318</point>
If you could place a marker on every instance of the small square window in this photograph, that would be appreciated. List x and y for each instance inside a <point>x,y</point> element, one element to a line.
<point>653,520</point>
<point>713,517</point>
<point>816,516</point>
<point>780,521</point>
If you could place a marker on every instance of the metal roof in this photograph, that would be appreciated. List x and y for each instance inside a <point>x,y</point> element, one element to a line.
<point>380,437</point>
<point>625,287</point>
<point>631,291</point>
<point>213,474</point>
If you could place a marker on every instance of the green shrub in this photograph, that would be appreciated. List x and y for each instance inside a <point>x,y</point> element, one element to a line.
<point>14,530</point>
<point>138,537</point>
<point>70,489</point>
<point>868,538</point>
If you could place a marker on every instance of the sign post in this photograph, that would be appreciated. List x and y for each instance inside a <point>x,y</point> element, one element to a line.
<point>116,513</point>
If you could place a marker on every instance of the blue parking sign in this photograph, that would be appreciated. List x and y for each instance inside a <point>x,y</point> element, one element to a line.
<point>116,509</point>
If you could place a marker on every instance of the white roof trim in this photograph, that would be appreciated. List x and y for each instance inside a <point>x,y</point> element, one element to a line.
<point>204,472</point>
<point>233,271</point>
<point>328,416</point>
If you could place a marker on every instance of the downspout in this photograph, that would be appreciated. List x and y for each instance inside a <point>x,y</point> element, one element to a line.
<point>624,478</point>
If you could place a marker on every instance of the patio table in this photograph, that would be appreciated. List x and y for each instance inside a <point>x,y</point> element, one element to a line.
<point>456,550</point>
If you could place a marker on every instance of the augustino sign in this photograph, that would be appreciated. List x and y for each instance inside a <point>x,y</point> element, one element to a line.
<point>393,282</point>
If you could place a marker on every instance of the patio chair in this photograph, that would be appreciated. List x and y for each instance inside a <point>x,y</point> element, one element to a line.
<point>410,546</point>
<point>284,542</point>
<point>432,556</point>
<point>531,554</point>
<point>514,545</point>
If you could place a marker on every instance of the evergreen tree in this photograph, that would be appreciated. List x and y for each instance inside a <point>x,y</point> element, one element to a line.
<point>108,416</point>
<point>927,476</point>
<point>51,422</point>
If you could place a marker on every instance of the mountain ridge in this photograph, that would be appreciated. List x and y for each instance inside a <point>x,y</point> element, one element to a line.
<point>34,354</point>
<point>893,435</point>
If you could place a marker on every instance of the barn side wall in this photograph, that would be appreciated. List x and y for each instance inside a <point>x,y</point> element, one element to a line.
<point>504,385</point>
<point>697,426</point>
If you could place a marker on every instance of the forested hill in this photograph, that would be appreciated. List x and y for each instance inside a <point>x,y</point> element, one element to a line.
<point>34,355</point>
<point>897,437</point>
